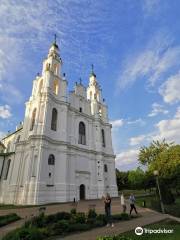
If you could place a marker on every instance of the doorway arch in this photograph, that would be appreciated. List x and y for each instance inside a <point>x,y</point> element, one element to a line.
<point>82,192</point>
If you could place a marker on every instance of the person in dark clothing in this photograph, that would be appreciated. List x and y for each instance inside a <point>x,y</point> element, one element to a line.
<point>107,204</point>
<point>132,204</point>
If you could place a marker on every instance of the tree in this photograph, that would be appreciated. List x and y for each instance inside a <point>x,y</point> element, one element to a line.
<point>147,155</point>
<point>136,178</point>
<point>122,180</point>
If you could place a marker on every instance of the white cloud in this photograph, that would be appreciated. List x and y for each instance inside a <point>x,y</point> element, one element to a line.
<point>151,62</point>
<point>156,109</point>
<point>139,121</point>
<point>137,140</point>
<point>169,129</point>
<point>5,112</point>
<point>117,123</point>
<point>128,157</point>
<point>170,89</point>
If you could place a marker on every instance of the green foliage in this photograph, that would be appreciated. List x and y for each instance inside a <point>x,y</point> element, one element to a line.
<point>80,217</point>
<point>6,219</point>
<point>136,178</point>
<point>73,211</point>
<point>122,180</point>
<point>167,196</point>
<point>41,227</point>
<point>92,213</point>
<point>25,234</point>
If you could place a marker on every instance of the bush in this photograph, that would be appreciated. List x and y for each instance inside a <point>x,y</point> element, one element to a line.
<point>155,204</point>
<point>25,233</point>
<point>167,196</point>
<point>125,216</point>
<point>92,213</point>
<point>79,227</point>
<point>62,216</point>
<point>60,227</point>
<point>80,217</point>
<point>73,211</point>
<point>38,221</point>
<point>102,218</point>
<point>117,217</point>
<point>4,220</point>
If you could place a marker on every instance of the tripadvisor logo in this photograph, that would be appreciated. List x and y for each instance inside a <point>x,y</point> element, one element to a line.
<point>140,231</point>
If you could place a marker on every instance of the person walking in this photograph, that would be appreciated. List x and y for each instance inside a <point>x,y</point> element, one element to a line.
<point>123,203</point>
<point>107,204</point>
<point>132,203</point>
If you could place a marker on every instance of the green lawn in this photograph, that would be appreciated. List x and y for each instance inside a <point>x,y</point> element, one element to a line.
<point>173,209</point>
<point>167,224</point>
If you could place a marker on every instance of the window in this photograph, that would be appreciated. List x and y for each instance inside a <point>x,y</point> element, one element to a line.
<point>51,160</point>
<point>80,109</point>
<point>82,133</point>
<point>7,169</point>
<point>54,119</point>
<point>105,168</point>
<point>33,119</point>
<point>103,137</point>
<point>55,87</point>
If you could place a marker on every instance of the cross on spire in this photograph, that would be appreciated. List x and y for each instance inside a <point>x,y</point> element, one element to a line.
<point>80,80</point>
<point>92,67</point>
<point>55,38</point>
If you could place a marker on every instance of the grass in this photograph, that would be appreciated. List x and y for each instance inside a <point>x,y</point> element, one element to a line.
<point>173,209</point>
<point>6,219</point>
<point>167,224</point>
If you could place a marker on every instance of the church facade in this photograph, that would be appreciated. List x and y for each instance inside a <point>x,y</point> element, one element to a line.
<point>63,149</point>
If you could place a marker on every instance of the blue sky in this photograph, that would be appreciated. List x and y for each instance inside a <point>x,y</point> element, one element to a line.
<point>134,46</point>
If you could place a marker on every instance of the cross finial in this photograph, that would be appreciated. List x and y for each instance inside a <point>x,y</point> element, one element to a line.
<point>92,67</point>
<point>55,37</point>
<point>80,80</point>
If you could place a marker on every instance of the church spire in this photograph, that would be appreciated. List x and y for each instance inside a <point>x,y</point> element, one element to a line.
<point>55,41</point>
<point>92,71</point>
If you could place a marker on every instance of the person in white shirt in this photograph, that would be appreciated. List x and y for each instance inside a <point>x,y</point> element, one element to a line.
<point>132,203</point>
<point>123,202</point>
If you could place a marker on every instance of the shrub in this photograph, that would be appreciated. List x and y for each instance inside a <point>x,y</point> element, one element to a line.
<point>167,196</point>
<point>38,221</point>
<point>125,216</point>
<point>60,227</point>
<point>62,216</point>
<point>6,219</point>
<point>73,211</point>
<point>25,233</point>
<point>79,227</point>
<point>155,205</point>
<point>117,217</point>
<point>102,218</point>
<point>92,213</point>
<point>80,217</point>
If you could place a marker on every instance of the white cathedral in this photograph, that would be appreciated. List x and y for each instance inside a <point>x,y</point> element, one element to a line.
<point>63,149</point>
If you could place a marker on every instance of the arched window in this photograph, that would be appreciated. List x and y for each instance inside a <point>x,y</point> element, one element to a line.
<point>51,160</point>
<point>33,118</point>
<point>40,86</point>
<point>105,168</point>
<point>82,133</point>
<point>55,87</point>
<point>54,119</point>
<point>7,169</point>
<point>103,137</point>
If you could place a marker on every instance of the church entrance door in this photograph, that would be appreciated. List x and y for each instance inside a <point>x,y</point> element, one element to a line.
<point>82,192</point>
